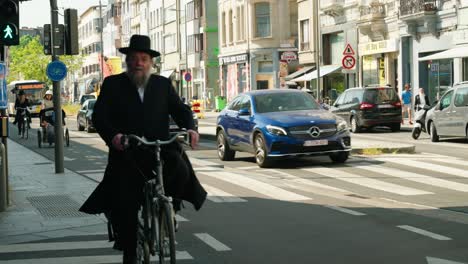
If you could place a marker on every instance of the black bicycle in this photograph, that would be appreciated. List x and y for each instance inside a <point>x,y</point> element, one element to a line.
<point>23,121</point>
<point>156,230</point>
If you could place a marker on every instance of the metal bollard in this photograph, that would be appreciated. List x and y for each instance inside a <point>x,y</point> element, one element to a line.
<point>3,179</point>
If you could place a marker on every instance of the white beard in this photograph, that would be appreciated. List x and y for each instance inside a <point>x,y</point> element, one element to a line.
<point>139,81</point>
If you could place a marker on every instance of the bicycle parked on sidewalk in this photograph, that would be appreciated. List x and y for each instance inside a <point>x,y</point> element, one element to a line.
<point>156,228</point>
<point>23,121</point>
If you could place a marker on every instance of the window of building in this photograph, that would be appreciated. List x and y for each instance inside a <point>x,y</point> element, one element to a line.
<point>305,37</point>
<point>169,14</point>
<point>231,26</point>
<point>170,44</point>
<point>262,20</point>
<point>198,9</point>
<point>265,66</point>
<point>190,11</point>
<point>223,28</point>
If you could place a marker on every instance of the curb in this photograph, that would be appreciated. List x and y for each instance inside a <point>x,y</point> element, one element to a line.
<point>371,150</point>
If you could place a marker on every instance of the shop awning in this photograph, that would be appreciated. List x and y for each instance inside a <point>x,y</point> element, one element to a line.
<point>298,73</point>
<point>457,52</point>
<point>166,73</point>
<point>324,70</point>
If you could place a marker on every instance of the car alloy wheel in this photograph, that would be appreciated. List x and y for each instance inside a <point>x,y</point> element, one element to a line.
<point>354,126</point>
<point>434,136</point>
<point>261,155</point>
<point>224,150</point>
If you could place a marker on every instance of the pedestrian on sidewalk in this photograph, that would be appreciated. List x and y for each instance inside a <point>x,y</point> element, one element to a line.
<point>406,101</point>
<point>137,102</point>
<point>421,100</point>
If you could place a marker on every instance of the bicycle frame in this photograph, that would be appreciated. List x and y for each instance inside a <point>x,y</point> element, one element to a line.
<point>156,211</point>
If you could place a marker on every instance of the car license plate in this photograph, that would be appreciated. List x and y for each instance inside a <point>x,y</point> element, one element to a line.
<point>320,142</point>
<point>385,106</point>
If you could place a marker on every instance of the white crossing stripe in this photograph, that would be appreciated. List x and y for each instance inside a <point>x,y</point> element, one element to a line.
<point>416,177</point>
<point>431,166</point>
<point>54,246</point>
<point>204,163</point>
<point>345,210</point>
<point>180,255</point>
<point>219,196</point>
<point>207,169</point>
<point>257,186</point>
<point>424,232</point>
<point>65,158</point>
<point>91,171</point>
<point>453,161</point>
<point>180,218</point>
<point>247,167</point>
<point>212,242</point>
<point>367,182</point>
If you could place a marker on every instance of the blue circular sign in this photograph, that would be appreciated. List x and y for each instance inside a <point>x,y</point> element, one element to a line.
<point>188,77</point>
<point>56,71</point>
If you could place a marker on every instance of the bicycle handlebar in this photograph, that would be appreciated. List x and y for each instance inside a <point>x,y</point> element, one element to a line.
<point>23,108</point>
<point>145,142</point>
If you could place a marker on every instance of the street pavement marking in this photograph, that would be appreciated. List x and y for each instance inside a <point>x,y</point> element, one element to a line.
<point>91,171</point>
<point>416,177</point>
<point>453,161</point>
<point>424,232</point>
<point>220,196</point>
<point>65,158</point>
<point>367,182</point>
<point>206,169</point>
<point>180,218</point>
<point>430,166</point>
<point>344,210</point>
<point>212,242</point>
<point>54,246</point>
<point>180,255</point>
<point>247,167</point>
<point>257,186</point>
<point>96,176</point>
<point>204,163</point>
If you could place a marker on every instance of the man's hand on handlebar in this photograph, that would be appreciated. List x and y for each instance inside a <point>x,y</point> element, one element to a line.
<point>117,142</point>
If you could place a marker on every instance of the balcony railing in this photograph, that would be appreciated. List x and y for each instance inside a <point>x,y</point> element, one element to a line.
<point>411,7</point>
<point>375,9</point>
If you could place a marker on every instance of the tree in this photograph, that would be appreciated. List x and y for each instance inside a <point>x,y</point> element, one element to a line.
<point>28,61</point>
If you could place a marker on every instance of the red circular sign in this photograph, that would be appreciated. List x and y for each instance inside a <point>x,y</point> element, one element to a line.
<point>348,62</point>
<point>187,77</point>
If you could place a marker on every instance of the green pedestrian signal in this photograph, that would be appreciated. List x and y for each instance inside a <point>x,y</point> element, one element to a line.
<point>9,22</point>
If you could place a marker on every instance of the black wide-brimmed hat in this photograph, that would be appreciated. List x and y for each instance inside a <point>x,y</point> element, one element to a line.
<point>140,43</point>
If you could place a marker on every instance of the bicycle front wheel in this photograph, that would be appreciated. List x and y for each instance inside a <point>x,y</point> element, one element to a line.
<point>167,252</point>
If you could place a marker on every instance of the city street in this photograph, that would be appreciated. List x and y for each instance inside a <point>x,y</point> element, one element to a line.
<point>390,208</point>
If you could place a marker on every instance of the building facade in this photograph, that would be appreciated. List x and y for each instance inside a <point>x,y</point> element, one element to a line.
<point>258,44</point>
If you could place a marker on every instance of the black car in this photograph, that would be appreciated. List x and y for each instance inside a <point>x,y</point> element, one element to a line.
<point>368,107</point>
<point>84,117</point>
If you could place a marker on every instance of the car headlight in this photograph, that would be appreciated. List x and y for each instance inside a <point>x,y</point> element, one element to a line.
<point>341,125</point>
<point>278,131</point>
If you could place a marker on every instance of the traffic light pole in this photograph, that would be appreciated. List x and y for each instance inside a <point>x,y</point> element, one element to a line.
<point>56,90</point>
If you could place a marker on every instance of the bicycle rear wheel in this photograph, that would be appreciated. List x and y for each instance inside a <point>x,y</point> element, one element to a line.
<point>166,234</point>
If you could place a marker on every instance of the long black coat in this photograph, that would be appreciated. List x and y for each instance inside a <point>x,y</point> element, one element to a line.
<point>417,101</point>
<point>119,109</point>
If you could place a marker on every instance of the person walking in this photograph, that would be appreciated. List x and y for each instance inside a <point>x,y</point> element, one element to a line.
<point>137,102</point>
<point>421,100</point>
<point>406,100</point>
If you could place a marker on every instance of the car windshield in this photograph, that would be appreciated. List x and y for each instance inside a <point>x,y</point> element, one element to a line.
<point>380,95</point>
<point>278,102</point>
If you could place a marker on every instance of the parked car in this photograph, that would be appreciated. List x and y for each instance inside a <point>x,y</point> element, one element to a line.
<point>368,107</point>
<point>280,123</point>
<point>84,117</point>
<point>449,116</point>
<point>174,127</point>
<point>85,97</point>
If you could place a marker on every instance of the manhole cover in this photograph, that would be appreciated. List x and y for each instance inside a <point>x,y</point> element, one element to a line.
<point>51,206</point>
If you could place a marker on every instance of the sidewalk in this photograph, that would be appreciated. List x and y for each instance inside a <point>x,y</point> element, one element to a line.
<point>44,204</point>
<point>207,129</point>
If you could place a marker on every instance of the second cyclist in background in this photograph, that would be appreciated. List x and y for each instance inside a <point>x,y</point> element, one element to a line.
<point>21,104</point>
<point>137,102</point>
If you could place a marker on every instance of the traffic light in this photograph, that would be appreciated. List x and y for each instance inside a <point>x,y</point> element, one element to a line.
<point>47,40</point>
<point>71,32</point>
<point>9,22</point>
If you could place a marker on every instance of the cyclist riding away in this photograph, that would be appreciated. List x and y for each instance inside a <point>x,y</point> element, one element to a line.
<point>21,104</point>
<point>137,102</point>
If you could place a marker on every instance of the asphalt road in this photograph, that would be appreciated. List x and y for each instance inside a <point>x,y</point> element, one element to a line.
<point>406,208</point>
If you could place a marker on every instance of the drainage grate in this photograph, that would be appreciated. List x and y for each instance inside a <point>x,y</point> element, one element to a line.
<point>51,206</point>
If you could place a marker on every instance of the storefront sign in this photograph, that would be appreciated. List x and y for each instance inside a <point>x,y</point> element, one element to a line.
<point>233,59</point>
<point>384,46</point>
<point>288,56</point>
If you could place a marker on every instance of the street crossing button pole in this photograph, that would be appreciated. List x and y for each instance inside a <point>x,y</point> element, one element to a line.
<point>56,90</point>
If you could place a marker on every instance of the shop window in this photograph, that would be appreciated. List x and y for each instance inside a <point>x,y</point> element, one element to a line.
<point>262,85</point>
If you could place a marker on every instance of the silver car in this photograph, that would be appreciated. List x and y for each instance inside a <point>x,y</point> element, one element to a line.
<point>449,117</point>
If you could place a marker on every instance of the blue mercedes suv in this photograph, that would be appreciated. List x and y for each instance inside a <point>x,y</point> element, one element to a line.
<point>280,123</point>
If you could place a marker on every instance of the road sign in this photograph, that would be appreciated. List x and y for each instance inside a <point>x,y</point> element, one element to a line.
<point>348,50</point>
<point>3,87</point>
<point>348,62</point>
<point>56,71</point>
<point>187,77</point>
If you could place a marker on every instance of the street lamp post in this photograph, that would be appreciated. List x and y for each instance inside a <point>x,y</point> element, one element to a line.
<point>186,48</point>
<point>101,29</point>
<point>317,45</point>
